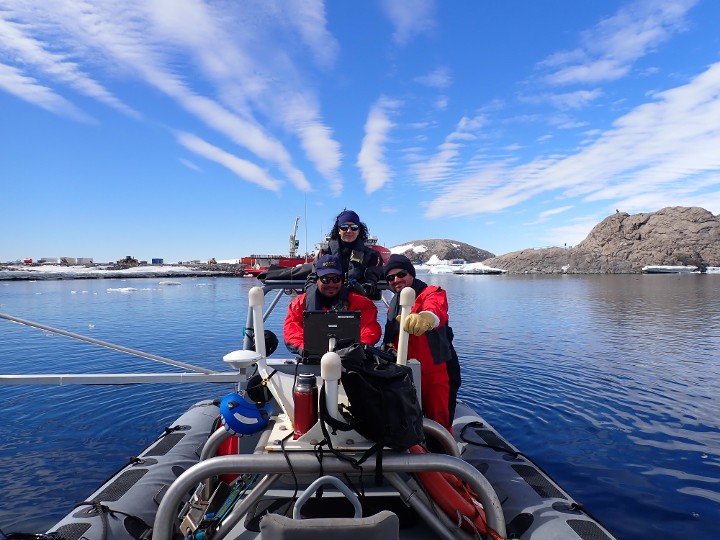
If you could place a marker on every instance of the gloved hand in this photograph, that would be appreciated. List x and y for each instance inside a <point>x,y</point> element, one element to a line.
<point>419,323</point>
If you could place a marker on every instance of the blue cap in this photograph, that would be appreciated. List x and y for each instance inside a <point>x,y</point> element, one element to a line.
<point>328,264</point>
<point>348,216</point>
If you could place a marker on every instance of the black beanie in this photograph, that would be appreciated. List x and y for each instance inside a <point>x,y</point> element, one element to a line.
<point>399,261</point>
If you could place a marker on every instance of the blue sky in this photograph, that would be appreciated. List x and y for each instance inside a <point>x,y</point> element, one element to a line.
<point>183,129</point>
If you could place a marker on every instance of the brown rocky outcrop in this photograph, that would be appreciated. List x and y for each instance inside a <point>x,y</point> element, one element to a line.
<point>446,250</point>
<point>624,243</point>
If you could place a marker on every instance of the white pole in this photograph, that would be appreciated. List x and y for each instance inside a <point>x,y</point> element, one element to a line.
<point>330,371</point>
<point>407,299</point>
<point>257,300</point>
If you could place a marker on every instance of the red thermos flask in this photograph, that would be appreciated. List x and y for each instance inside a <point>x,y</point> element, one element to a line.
<point>305,398</point>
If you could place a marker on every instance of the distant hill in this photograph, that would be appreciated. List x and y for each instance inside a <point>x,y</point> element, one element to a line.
<point>441,249</point>
<point>624,243</point>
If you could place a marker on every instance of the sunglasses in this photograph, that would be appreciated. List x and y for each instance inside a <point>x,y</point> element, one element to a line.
<point>391,277</point>
<point>331,279</point>
<point>348,227</point>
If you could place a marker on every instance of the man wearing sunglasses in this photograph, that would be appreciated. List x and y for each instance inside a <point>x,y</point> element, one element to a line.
<point>430,340</point>
<point>361,264</point>
<point>329,293</point>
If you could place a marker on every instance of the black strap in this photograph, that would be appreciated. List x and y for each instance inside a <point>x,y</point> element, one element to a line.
<point>339,425</point>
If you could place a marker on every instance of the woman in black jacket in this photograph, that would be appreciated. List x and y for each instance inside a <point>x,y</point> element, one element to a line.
<point>362,265</point>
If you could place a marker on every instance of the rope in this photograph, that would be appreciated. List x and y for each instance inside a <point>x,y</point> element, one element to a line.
<point>29,536</point>
<point>106,512</point>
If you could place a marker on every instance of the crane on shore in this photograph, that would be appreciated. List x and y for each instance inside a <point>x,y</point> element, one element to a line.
<point>294,243</point>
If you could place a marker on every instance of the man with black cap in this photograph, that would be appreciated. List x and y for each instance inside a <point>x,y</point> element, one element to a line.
<point>329,293</point>
<point>430,340</point>
<point>361,264</point>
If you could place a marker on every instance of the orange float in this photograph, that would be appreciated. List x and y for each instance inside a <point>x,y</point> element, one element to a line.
<point>455,498</point>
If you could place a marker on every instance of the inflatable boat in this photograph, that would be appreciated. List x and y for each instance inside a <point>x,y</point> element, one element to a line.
<point>237,468</point>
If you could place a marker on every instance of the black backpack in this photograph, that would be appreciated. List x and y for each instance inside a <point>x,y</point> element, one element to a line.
<point>384,406</point>
<point>383,403</point>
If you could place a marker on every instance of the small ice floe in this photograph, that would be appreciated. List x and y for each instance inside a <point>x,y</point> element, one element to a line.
<point>441,269</point>
<point>170,283</point>
<point>670,269</point>
<point>478,268</point>
<point>123,290</point>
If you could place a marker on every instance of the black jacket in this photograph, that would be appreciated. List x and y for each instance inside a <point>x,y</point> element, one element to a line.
<point>362,266</point>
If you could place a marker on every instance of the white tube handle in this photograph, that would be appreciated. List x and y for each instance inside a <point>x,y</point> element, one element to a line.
<point>330,371</point>
<point>257,301</point>
<point>407,299</point>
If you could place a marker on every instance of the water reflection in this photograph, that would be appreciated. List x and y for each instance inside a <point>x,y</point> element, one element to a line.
<point>609,382</point>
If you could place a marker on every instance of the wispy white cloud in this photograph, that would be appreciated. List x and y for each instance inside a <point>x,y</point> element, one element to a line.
<point>658,146</point>
<point>300,114</point>
<point>545,215</point>
<point>571,233</point>
<point>438,78</point>
<point>441,103</point>
<point>254,74</point>
<point>30,90</point>
<point>146,41</point>
<point>244,169</point>
<point>441,165</point>
<point>189,164</point>
<point>308,17</point>
<point>609,50</point>
<point>564,101</point>
<point>409,17</point>
<point>39,57</point>
<point>371,159</point>
<point>691,193</point>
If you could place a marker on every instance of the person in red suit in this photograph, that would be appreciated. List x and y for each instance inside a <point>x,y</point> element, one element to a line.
<point>329,293</point>
<point>430,340</point>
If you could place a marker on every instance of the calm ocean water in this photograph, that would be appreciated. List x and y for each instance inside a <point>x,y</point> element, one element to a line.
<point>610,383</point>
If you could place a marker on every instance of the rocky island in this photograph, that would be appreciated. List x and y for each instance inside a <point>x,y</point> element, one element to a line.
<point>619,244</point>
<point>624,244</point>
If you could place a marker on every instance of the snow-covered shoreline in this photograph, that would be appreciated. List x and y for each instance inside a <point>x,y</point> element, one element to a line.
<point>31,272</point>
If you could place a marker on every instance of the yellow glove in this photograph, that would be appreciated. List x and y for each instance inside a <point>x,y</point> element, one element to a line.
<point>419,323</point>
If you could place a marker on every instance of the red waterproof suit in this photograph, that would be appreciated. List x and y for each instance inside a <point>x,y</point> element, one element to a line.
<point>370,330</point>
<point>434,371</point>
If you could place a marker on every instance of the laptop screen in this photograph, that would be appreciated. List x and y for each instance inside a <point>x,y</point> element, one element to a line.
<point>320,326</point>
